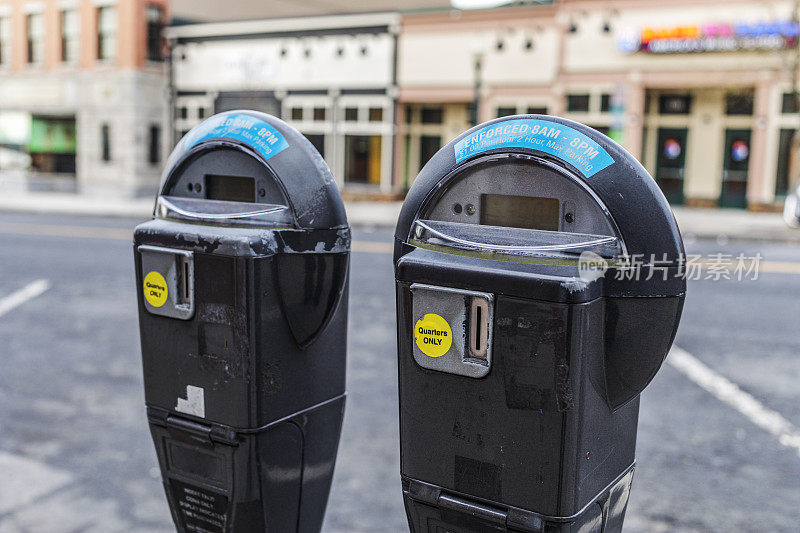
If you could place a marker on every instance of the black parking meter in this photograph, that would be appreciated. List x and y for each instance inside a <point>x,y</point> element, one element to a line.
<point>242,282</point>
<point>539,288</point>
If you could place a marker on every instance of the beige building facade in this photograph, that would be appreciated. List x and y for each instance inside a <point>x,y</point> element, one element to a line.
<point>83,95</point>
<point>700,91</point>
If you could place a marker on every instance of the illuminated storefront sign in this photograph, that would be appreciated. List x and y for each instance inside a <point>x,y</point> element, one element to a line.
<point>776,35</point>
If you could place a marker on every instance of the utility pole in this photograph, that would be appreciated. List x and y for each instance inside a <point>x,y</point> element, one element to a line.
<point>476,99</point>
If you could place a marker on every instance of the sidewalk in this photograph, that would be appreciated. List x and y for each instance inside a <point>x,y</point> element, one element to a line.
<point>693,222</point>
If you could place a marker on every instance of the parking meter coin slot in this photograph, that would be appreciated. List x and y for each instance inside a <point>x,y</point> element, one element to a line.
<point>452,330</point>
<point>168,281</point>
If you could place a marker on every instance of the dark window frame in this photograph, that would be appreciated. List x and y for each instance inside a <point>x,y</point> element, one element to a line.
<point>578,102</point>
<point>154,17</point>
<point>432,115</point>
<point>154,146</point>
<point>105,142</point>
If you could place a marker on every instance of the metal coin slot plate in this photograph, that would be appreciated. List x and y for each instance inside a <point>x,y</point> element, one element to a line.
<point>470,315</point>
<point>177,268</point>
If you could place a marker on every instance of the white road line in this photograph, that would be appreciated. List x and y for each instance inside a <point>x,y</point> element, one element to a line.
<point>729,393</point>
<point>28,292</point>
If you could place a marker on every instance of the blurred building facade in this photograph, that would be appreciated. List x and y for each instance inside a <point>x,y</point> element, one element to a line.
<point>699,90</point>
<point>83,94</point>
<point>331,77</point>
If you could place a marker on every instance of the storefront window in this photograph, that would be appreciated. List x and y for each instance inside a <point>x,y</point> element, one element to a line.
<point>362,159</point>
<point>784,162</point>
<point>577,103</point>
<point>318,140</point>
<point>428,146</point>
<point>52,144</point>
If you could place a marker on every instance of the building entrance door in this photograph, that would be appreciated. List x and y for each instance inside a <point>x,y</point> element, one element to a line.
<point>734,168</point>
<point>671,163</point>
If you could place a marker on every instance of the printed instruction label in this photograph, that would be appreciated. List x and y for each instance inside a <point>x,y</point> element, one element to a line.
<point>433,335</point>
<point>257,134</point>
<point>200,510</point>
<point>558,140</point>
<point>155,289</point>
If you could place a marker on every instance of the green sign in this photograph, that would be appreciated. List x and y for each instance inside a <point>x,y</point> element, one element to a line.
<point>52,136</point>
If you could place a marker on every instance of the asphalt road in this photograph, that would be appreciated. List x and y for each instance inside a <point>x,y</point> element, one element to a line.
<point>76,455</point>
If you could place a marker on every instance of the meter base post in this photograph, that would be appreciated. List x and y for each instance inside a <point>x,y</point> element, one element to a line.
<point>209,480</point>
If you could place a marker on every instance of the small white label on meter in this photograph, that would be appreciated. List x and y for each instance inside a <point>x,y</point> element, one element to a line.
<point>194,404</point>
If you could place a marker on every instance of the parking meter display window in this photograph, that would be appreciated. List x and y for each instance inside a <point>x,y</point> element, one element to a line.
<point>545,439</point>
<point>230,188</point>
<point>245,192</point>
<point>519,212</point>
<point>245,394</point>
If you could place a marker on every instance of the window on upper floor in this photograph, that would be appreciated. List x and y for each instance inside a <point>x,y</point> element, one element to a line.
<point>5,40</point>
<point>34,27</point>
<point>375,114</point>
<point>106,33</point>
<point>605,103</point>
<point>577,102</point>
<point>155,28</point>
<point>506,111</point>
<point>70,35</point>
<point>432,115</point>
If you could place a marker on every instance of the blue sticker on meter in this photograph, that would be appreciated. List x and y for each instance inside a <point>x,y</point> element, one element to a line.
<point>257,134</point>
<point>563,142</point>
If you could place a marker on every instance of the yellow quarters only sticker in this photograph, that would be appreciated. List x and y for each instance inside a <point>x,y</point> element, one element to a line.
<point>433,335</point>
<point>155,289</point>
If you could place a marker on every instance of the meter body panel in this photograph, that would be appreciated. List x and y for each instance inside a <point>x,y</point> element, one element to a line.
<point>242,278</point>
<point>544,436</point>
